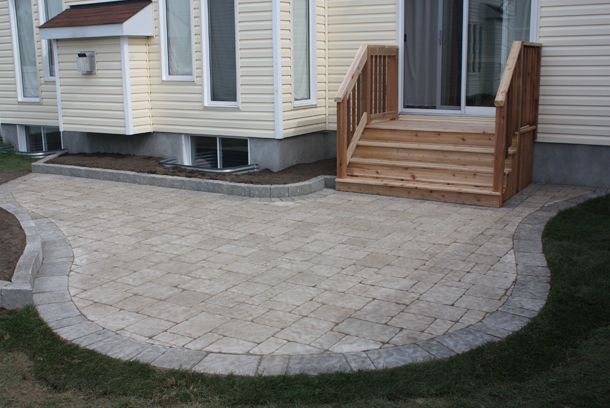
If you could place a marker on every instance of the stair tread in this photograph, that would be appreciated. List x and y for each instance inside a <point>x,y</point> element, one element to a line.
<point>426,146</point>
<point>437,124</point>
<point>420,179</point>
<point>422,164</point>
<point>456,188</point>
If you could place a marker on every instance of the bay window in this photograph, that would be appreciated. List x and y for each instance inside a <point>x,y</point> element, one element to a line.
<point>303,51</point>
<point>24,46</point>
<point>220,52</point>
<point>176,39</point>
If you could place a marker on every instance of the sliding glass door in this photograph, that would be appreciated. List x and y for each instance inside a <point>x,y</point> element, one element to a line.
<point>455,51</point>
<point>433,53</point>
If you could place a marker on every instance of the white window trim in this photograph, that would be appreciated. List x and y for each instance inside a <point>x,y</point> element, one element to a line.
<point>165,75</point>
<point>205,53</point>
<point>17,56</point>
<point>313,55</point>
<point>42,17</point>
<point>22,138</point>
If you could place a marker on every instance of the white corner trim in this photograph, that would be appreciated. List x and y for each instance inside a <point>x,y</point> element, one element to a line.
<point>277,69</point>
<point>126,85</point>
<point>60,115</point>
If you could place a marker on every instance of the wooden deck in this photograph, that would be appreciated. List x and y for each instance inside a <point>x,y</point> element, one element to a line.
<point>459,159</point>
<point>445,158</point>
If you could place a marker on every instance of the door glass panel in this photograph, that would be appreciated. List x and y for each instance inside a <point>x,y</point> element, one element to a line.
<point>433,54</point>
<point>493,25</point>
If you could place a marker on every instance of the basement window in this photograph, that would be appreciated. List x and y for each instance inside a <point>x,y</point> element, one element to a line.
<point>220,152</point>
<point>39,139</point>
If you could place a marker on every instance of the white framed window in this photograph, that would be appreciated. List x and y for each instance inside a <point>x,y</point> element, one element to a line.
<point>304,52</point>
<point>220,53</point>
<point>38,139</point>
<point>24,48</point>
<point>176,22</point>
<point>48,10</point>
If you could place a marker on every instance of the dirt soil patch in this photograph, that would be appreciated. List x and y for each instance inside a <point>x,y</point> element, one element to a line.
<point>12,175</point>
<point>150,165</point>
<point>12,243</point>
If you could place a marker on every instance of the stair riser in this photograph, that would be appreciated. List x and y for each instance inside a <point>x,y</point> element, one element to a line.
<point>450,197</point>
<point>467,139</point>
<point>428,156</point>
<point>419,174</point>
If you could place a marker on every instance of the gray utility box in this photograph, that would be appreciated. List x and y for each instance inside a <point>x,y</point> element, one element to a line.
<point>86,62</point>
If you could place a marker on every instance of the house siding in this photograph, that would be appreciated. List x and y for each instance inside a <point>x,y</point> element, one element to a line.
<point>139,79</point>
<point>43,113</point>
<point>178,106</point>
<point>350,24</point>
<point>575,83</point>
<point>92,103</point>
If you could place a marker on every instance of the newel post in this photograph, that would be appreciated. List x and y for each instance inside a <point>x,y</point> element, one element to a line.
<point>393,84</point>
<point>342,139</point>
<point>500,149</point>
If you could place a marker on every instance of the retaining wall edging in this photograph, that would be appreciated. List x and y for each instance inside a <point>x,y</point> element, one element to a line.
<point>186,183</point>
<point>17,293</point>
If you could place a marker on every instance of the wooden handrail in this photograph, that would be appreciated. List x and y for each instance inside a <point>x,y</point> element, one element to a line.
<point>368,91</point>
<point>517,104</point>
<point>353,73</point>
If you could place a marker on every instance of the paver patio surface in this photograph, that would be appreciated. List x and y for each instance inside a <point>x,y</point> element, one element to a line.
<point>329,272</point>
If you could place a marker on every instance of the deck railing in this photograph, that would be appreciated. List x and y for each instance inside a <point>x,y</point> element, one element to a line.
<point>517,119</point>
<point>368,92</point>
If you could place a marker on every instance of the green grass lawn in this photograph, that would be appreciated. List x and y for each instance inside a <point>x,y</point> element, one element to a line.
<point>11,162</point>
<point>561,359</point>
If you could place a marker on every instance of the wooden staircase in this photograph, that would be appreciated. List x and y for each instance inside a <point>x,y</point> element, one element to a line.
<point>458,159</point>
<point>426,157</point>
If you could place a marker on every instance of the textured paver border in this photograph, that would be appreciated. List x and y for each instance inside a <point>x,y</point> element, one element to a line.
<point>18,293</point>
<point>528,296</point>
<point>185,183</point>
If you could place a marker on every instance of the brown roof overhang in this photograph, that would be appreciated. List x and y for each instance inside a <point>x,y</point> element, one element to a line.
<point>96,14</point>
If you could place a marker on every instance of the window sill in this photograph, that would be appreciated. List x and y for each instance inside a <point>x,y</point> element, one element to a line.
<point>310,103</point>
<point>29,100</point>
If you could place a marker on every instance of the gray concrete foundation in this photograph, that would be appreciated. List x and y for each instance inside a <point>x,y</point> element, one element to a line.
<point>273,154</point>
<point>582,165</point>
<point>9,134</point>
<point>278,154</point>
<point>166,145</point>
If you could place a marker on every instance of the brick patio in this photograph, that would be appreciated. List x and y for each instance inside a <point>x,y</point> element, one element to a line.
<point>236,277</point>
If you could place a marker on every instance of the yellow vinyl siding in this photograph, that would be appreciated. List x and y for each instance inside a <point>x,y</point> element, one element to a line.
<point>575,83</point>
<point>350,24</point>
<point>92,103</point>
<point>140,85</point>
<point>178,106</point>
<point>43,113</point>
<point>306,119</point>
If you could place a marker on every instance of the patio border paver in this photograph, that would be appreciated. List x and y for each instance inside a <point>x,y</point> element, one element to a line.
<point>184,183</point>
<point>53,301</point>
<point>17,293</point>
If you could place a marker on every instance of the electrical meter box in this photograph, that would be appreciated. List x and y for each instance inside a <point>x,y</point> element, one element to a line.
<point>86,62</point>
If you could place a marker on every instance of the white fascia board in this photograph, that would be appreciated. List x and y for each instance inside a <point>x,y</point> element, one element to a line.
<point>140,25</point>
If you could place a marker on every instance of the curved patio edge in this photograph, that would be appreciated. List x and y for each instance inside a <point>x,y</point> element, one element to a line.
<point>17,293</point>
<point>185,183</point>
<point>55,306</point>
